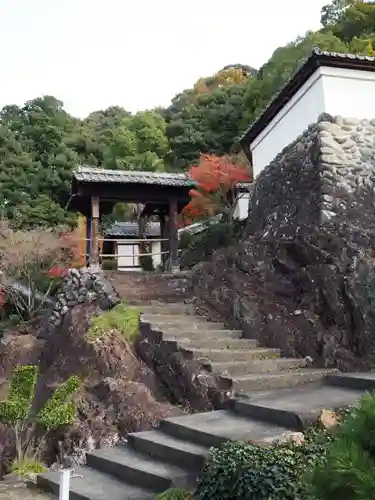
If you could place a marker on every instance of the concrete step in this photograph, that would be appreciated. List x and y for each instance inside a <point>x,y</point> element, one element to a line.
<point>164,447</point>
<point>279,380</point>
<point>357,381</point>
<point>215,427</point>
<point>141,470</point>
<point>166,309</point>
<point>213,343</point>
<point>234,354</point>
<point>200,333</point>
<point>191,322</point>
<point>234,368</point>
<point>94,485</point>
<point>296,408</point>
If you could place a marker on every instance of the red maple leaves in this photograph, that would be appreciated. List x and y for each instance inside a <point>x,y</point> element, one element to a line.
<point>215,179</point>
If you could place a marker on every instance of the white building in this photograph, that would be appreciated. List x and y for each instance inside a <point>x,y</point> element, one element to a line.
<point>337,84</point>
<point>126,246</point>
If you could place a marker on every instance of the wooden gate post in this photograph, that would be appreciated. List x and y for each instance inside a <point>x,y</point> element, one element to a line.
<point>173,234</point>
<point>94,237</point>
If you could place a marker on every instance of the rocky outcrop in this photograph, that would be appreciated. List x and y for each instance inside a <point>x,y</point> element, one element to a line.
<point>185,378</point>
<point>302,277</point>
<point>119,393</point>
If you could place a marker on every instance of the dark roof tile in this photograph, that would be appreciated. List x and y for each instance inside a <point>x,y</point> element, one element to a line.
<point>121,229</point>
<point>92,174</point>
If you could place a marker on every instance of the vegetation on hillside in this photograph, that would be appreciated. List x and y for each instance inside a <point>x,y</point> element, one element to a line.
<point>40,143</point>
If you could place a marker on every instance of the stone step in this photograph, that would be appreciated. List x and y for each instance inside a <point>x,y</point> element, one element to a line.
<point>94,485</point>
<point>141,470</point>
<point>166,309</point>
<point>213,343</point>
<point>164,447</point>
<point>296,408</point>
<point>233,368</point>
<point>200,333</point>
<point>279,380</point>
<point>234,354</point>
<point>192,322</point>
<point>357,381</point>
<point>215,427</point>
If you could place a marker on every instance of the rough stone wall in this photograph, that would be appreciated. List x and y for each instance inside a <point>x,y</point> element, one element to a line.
<point>286,193</point>
<point>80,286</point>
<point>347,165</point>
<point>302,278</point>
<point>327,173</point>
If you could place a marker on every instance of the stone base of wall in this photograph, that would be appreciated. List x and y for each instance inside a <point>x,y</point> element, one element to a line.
<point>135,288</point>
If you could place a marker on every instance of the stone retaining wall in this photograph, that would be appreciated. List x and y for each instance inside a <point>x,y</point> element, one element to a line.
<point>135,288</point>
<point>326,174</point>
<point>80,286</point>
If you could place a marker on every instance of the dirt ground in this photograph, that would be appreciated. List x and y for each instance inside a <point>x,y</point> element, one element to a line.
<point>14,490</point>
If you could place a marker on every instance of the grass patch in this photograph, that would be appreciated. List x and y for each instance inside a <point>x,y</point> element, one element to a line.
<point>175,494</point>
<point>26,467</point>
<point>121,317</point>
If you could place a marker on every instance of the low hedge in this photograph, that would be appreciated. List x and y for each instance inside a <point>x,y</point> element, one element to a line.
<point>245,471</point>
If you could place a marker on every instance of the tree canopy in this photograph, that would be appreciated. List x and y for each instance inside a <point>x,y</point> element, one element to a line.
<point>40,143</point>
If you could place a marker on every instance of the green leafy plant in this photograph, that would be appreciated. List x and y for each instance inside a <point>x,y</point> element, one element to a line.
<point>58,410</point>
<point>175,494</point>
<point>242,470</point>
<point>15,412</point>
<point>201,246</point>
<point>27,466</point>
<point>121,317</point>
<point>349,469</point>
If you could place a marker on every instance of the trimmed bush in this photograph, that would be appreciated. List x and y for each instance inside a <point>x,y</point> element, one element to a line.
<point>242,470</point>
<point>15,412</point>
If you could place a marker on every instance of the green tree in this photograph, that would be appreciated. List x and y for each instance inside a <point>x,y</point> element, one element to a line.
<point>332,12</point>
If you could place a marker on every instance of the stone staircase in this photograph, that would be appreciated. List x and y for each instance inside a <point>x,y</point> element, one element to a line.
<point>276,395</point>
<point>247,365</point>
<point>172,455</point>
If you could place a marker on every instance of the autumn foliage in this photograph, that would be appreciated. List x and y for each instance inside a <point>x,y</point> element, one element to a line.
<point>215,179</point>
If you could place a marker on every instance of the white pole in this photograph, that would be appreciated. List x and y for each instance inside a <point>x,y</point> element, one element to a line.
<point>64,485</point>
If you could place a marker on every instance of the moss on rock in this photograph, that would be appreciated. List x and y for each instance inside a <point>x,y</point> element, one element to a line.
<point>122,318</point>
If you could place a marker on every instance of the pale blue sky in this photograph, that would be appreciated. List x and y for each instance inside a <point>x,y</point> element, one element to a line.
<point>136,53</point>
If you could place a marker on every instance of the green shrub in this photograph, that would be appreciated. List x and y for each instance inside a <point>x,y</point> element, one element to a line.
<point>349,469</point>
<point>121,317</point>
<point>27,466</point>
<point>15,412</point>
<point>21,392</point>
<point>59,410</point>
<point>175,494</point>
<point>242,470</point>
<point>200,247</point>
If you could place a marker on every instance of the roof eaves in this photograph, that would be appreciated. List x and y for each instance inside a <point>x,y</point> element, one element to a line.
<point>317,58</point>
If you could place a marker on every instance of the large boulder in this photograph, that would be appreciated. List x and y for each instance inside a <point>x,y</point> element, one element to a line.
<point>308,293</point>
